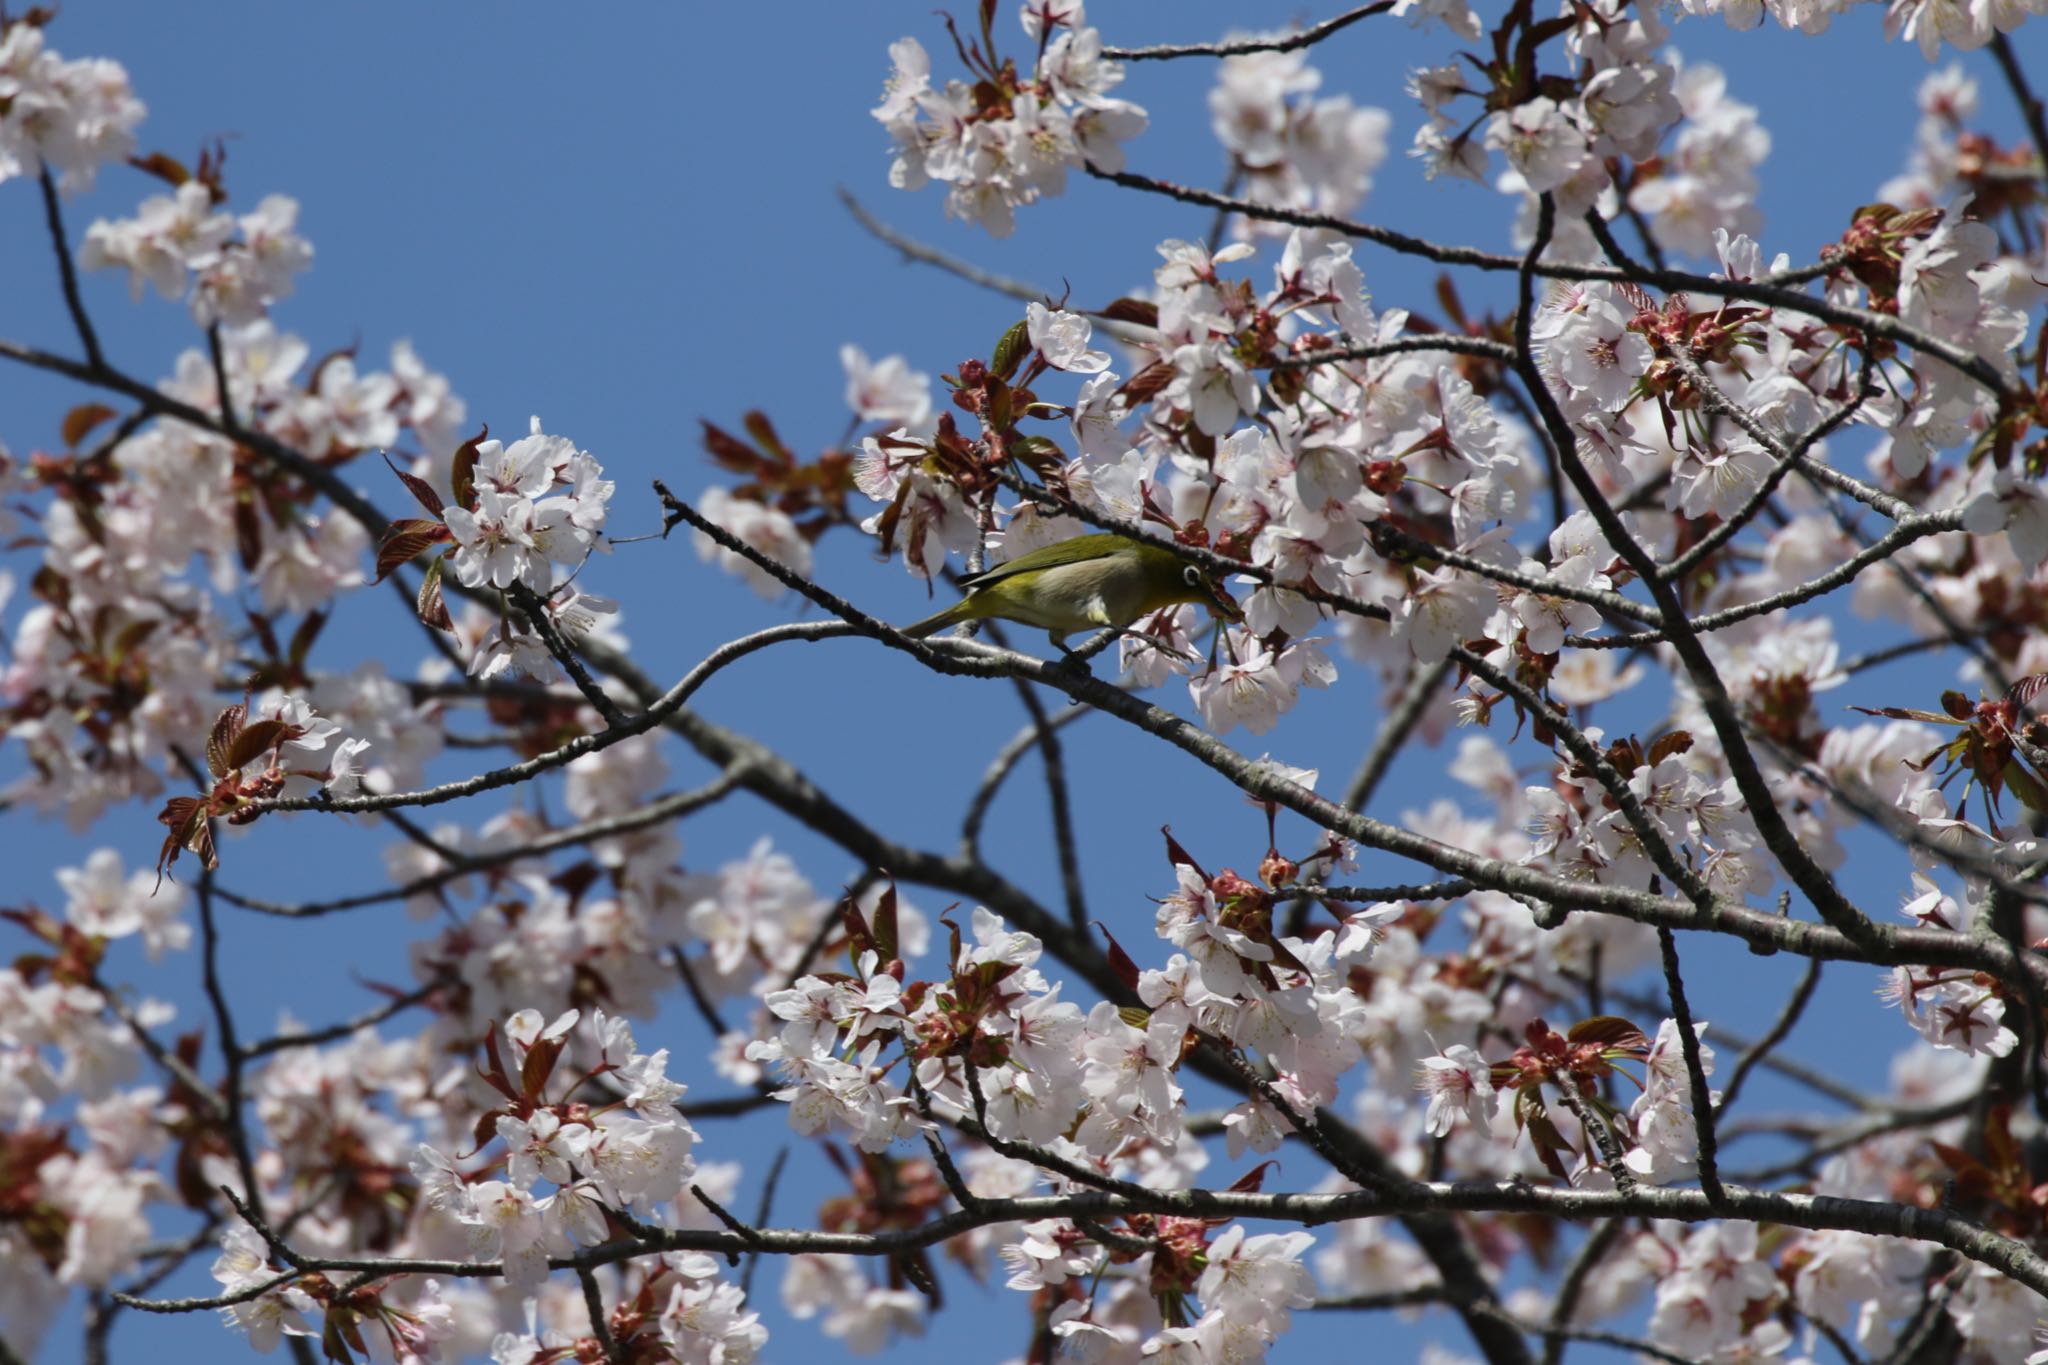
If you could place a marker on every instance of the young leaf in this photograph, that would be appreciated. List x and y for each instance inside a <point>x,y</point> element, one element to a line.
<point>221,740</point>
<point>1669,744</point>
<point>432,609</point>
<point>885,925</point>
<point>1143,312</point>
<point>422,491</point>
<point>1119,960</point>
<point>1011,348</point>
<point>258,739</point>
<point>406,538</point>
<point>81,420</point>
<point>462,476</point>
<point>1608,1030</point>
<point>1179,856</point>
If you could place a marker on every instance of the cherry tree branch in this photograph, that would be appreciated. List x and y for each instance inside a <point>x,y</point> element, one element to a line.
<point>1239,47</point>
<point>1819,888</point>
<point>1612,603</point>
<point>1422,343</point>
<point>511,775</point>
<point>1771,289</point>
<point>1814,1212</point>
<point>1882,944</point>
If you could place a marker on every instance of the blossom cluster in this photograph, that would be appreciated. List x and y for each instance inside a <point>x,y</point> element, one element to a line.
<point>120,658</point>
<point>71,116</point>
<point>1008,139</point>
<point>235,267</point>
<point>74,1122</point>
<point>1291,149</point>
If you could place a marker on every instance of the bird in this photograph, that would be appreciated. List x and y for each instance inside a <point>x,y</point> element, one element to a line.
<point>1085,582</point>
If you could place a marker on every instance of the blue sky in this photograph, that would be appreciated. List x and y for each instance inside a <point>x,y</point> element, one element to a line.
<point>623,219</point>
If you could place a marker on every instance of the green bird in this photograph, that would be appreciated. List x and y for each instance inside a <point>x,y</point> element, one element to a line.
<point>1087,582</point>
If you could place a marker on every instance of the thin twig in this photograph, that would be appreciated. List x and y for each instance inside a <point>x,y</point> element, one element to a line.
<point>398,1004</point>
<point>1709,1160</point>
<point>461,865</point>
<point>1787,1019</point>
<point>2023,94</point>
<point>1793,454</point>
<point>600,1323</point>
<point>999,769</point>
<point>1590,1253</point>
<point>67,270</point>
<point>694,988</point>
<point>1066,845</point>
<point>1387,744</point>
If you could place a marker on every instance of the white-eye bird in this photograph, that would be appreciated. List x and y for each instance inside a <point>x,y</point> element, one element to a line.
<point>1086,582</point>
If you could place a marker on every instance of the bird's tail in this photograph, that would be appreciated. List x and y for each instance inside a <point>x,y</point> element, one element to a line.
<point>963,610</point>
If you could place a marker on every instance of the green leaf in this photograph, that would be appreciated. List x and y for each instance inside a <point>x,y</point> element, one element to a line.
<point>1010,351</point>
<point>2027,787</point>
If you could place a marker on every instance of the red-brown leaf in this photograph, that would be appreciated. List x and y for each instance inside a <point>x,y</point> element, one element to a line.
<point>462,475</point>
<point>433,610</point>
<point>404,539</point>
<point>163,166</point>
<point>1608,1030</point>
<point>1179,856</point>
<point>1675,742</point>
<point>258,739</point>
<point>221,740</point>
<point>422,491</point>
<point>763,431</point>
<point>885,924</point>
<point>1143,312</point>
<point>539,1065</point>
<point>730,452</point>
<point>1119,961</point>
<point>81,420</point>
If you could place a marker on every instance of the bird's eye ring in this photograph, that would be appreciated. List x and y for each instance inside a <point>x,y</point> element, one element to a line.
<point>1192,575</point>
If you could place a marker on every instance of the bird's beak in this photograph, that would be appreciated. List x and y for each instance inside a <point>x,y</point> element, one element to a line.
<point>1220,600</point>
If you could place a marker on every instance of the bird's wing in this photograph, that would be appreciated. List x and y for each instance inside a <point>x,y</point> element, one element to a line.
<point>1070,551</point>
